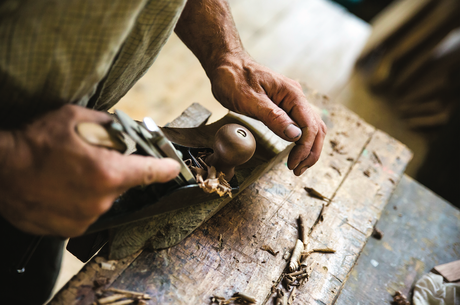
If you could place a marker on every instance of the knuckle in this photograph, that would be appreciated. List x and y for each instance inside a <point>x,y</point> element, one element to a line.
<point>323,127</point>
<point>275,114</point>
<point>314,129</point>
<point>149,176</point>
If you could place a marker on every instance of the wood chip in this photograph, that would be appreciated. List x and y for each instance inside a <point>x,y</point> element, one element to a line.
<point>317,250</point>
<point>315,194</point>
<point>376,157</point>
<point>336,168</point>
<point>245,297</point>
<point>291,296</point>
<point>281,297</point>
<point>367,173</point>
<point>269,250</point>
<point>110,265</point>
<point>318,219</point>
<point>221,243</point>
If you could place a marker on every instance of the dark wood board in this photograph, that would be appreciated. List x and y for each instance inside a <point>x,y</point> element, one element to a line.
<point>266,213</point>
<point>422,232</point>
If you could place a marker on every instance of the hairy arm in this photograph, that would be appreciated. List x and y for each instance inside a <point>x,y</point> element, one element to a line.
<point>242,85</point>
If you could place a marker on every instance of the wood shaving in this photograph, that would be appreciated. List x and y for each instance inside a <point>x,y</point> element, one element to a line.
<point>245,297</point>
<point>281,297</point>
<point>303,229</point>
<point>269,250</point>
<point>318,250</point>
<point>214,183</point>
<point>291,296</point>
<point>221,243</point>
<point>336,147</point>
<point>334,167</point>
<point>295,257</point>
<point>376,157</point>
<point>315,194</point>
<point>400,299</point>
<point>110,265</point>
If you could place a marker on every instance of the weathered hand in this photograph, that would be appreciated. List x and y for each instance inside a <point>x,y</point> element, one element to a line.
<point>244,86</point>
<point>52,182</point>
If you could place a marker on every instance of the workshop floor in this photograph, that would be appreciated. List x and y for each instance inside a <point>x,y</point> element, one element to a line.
<point>313,41</point>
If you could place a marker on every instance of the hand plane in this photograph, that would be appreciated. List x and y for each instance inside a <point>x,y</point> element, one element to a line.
<point>233,145</point>
<point>182,144</point>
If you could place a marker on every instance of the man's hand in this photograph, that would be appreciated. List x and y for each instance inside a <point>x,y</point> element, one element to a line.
<point>242,85</point>
<point>53,183</point>
<point>247,87</point>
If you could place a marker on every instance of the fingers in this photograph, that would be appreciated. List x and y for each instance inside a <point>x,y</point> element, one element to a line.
<point>140,170</point>
<point>312,157</point>
<point>287,94</point>
<point>277,119</point>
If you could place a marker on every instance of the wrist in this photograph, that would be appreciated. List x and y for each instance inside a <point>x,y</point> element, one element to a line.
<point>233,61</point>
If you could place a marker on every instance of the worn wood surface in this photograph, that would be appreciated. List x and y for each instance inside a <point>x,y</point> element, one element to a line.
<point>357,171</point>
<point>421,230</point>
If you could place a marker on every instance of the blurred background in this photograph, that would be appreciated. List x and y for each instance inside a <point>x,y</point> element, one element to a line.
<point>394,63</point>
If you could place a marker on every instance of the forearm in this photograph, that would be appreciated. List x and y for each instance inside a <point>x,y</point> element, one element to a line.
<point>208,30</point>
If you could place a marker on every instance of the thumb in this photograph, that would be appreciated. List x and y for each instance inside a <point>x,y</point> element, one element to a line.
<point>278,120</point>
<point>141,170</point>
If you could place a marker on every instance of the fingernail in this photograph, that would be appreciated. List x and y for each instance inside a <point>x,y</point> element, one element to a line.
<point>303,170</point>
<point>292,132</point>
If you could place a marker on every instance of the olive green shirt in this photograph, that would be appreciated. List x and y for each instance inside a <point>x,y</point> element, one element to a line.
<point>84,52</point>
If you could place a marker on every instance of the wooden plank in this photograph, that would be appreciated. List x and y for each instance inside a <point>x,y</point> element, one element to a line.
<point>194,116</point>
<point>265,214</point>
<point>420,229</point>
<point>81,289</point>
<point>350,217</point>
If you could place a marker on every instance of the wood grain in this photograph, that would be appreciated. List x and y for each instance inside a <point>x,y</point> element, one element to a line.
<point>420,231</point>
<point>266,214</point>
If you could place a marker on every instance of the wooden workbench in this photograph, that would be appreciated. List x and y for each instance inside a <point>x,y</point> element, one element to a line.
<point>421,230</point>
<point>358,170</point>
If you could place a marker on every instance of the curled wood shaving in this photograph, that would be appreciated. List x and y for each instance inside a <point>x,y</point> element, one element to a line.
<point>400,299</point>
<point>295,257</point>
<point>303,229</point>
<point>214,183</point>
